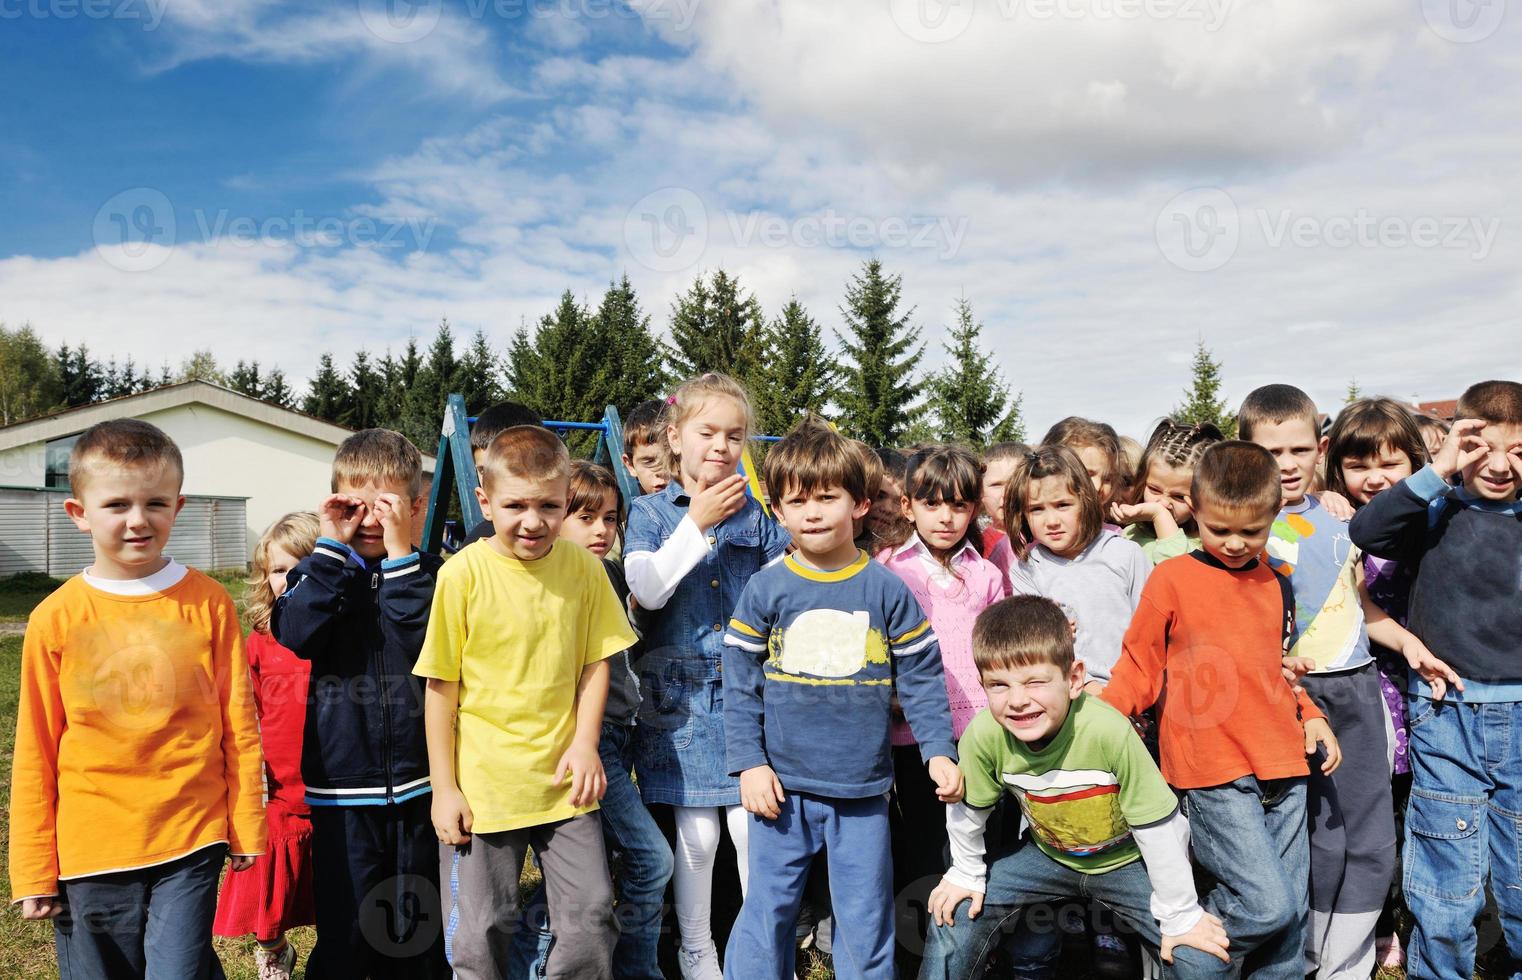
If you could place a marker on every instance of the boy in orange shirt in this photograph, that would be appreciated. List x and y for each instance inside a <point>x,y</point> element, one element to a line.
<point>137,766</point>
<point>1208,638</point>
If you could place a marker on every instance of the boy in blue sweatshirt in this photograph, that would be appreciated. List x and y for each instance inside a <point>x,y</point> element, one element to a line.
<point>1458,522</point>
<point>357,608</point>
<point>819,642</point>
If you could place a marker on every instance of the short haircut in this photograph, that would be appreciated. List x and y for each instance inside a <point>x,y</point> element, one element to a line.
<point>380,456</point>
<point>1080,433</point>
<point>1001,452</point>
<point>498,419</point>
<point>1495,402</point>
<point>872,464</point>
<point>645,426</point>
<point>1369,426</point>
<point>590,485</point>
<point>1045,461</point>
<point>1022,631</point>
<point>528,452</point>
<point>1272,404</point>
<point>813,457</point>
<point>121,442</point>
<point>1237,475</point>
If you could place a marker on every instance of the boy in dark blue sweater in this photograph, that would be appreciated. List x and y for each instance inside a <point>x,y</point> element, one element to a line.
<point>819,642</point>
<point>357,607</point>
<point>1458,522</point>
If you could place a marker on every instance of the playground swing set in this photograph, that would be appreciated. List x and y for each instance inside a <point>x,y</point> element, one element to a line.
<point>455,471</point>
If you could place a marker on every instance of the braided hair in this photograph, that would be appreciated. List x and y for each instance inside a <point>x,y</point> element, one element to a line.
<point>1178,444</point>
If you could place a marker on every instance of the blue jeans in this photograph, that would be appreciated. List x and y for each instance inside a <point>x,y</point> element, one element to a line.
<point>1250,834</point>
<point>1029,877</point>
<point>153,923</point>
<point>1463,824</point>
<point>644,870</point>
<point>855,832</point>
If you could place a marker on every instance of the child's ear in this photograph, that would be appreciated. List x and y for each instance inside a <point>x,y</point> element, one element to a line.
<point>1077,677</point>
<point>905,509</point>
<point>1321,447</point>
<point>76,511</point>
<point>860,508</point>
<point>484,501</point>
<point>417,505</point>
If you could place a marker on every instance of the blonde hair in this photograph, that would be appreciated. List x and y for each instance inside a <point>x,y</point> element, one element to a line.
<point>121,442</point>
<point>529,452</point>
<point>379,455</point>
<point>296,534</point>
<point>691,394</point>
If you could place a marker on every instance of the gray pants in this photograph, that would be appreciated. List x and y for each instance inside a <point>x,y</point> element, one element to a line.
<point>480,884</point>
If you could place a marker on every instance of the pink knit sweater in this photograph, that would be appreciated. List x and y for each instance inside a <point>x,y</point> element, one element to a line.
<point>952,604</point>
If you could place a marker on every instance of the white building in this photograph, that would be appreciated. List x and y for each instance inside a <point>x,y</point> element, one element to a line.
<point>234,446</point>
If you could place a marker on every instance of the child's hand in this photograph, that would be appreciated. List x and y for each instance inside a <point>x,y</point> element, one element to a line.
<point>717,502</point>
<point>451,816</point>
<point>1461,447</point>
<point>49,907</point>
<point>1437,674</point>
<point>396,524</point>
<point>240,862</point>
<point>588,781</point>
<point>761,792</point>
<point>949,786</point>
<point>1134,513</point>
<point>1317,730</point>
<point>1208,935</point>
<point>943,901</point>
<point>339,515</point>
<point>1335,504</point>
<point>1295,668</point>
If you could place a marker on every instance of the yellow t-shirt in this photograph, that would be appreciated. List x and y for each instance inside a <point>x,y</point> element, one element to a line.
<point>516,636</point>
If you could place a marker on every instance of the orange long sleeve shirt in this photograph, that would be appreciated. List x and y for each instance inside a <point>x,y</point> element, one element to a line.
<point>136,739</point>
<point>1209,642</point>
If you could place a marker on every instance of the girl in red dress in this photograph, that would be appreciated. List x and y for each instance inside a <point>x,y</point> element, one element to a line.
<point>276,893</point>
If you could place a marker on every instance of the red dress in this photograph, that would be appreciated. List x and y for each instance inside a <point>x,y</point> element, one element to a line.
<point>276,893</point>
<point>991,538</point>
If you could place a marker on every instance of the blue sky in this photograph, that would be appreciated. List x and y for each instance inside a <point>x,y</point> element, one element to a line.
<point>1319,191</point>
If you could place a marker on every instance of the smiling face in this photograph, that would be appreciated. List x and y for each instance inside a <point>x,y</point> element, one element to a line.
<point>941,525</point>
<point>1169,485</point>
<point>595,529</point>
<point>369,539</point>
<point>128,511</point>
<point>1498,474</point>
<point>995,479</point>
<point>821,523</point>
<point>1297,447</point>
<point>709,442</point>
<point>1053,513</point>
<point>526,513</point>
<point>1366,476</point>
<point>1032,702</point>
<point>1234,536</point>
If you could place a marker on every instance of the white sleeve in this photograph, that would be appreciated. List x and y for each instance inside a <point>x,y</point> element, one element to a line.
<point>654,575</point>
<point>1164,849</point>
<point>965,826</point>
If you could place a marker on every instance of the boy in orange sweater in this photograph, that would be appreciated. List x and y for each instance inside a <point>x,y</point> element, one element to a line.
<point>1209,638</point>
<point>137,766</point>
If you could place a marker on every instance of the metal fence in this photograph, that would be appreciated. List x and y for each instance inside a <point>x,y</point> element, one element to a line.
<point>37,536</point>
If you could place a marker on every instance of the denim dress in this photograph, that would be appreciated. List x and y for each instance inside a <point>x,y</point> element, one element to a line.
<point>679,740</point>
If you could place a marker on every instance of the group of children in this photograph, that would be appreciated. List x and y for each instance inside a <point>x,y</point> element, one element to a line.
<point>1168,682</point>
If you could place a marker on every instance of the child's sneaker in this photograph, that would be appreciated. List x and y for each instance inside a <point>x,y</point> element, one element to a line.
<point>276,966</point>
<point>700,965</point>
<point>1387,953</point>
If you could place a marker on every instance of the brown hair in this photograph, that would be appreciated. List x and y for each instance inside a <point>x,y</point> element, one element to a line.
<point>1237,475</point>
<point>813,457</point>
<point>937,474</point>
<point>1079,433</point>
<point>1497,402</point>
<point>498,419</point>
<point>1040,463</point>
<point>381,456</point>
<point>1367,427</point>
<point>121,442</point>
<point>529,452</point>
<point>646,425</point>
<point>296,534</point>
<point>1427,422</point>
<point>1273,404</point>
<point>1001,451</point>
<point>693,393</point>
<point>1023,631</point>
<point>590,485</point>
<point>1177,444</point>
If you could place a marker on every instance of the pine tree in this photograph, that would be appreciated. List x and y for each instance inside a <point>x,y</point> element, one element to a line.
<point>246,380</point>
<point>1202,401</point>
<point>276,391</point>
<point>798,374</point>
<point>398,374</point>
<point>632,360</point>
<point>478,375</point>
<point>554,369</point>
<point>201,366</point>
<point>969,396</point>
<point>29,382</point>
<point>1354,392</point>
<point>879,393</point>
<point>716,328</point>
<point>79,375</point>
<point>423,403</point>
<point>131,382</point>
<point>367,403</point>
<point>329,395</point>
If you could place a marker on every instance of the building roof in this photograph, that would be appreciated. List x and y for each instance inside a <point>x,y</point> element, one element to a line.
<point>68,421</point>
<point>1444,410</point>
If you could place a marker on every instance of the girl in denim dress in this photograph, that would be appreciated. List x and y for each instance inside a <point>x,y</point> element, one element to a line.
<point>688,553</point>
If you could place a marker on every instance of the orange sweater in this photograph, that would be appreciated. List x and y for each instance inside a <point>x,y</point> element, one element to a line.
<point>136,741</point>
<point>1209,641</point>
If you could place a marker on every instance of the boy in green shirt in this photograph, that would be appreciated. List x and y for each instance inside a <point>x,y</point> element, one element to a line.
<point>1104,824</point>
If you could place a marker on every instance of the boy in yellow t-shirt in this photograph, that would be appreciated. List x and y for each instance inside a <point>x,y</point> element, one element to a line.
<point>516,657</point>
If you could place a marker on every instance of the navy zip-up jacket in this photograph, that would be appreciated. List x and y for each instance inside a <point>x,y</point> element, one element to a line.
<point>361,625</point>
<point>1466,598</point>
